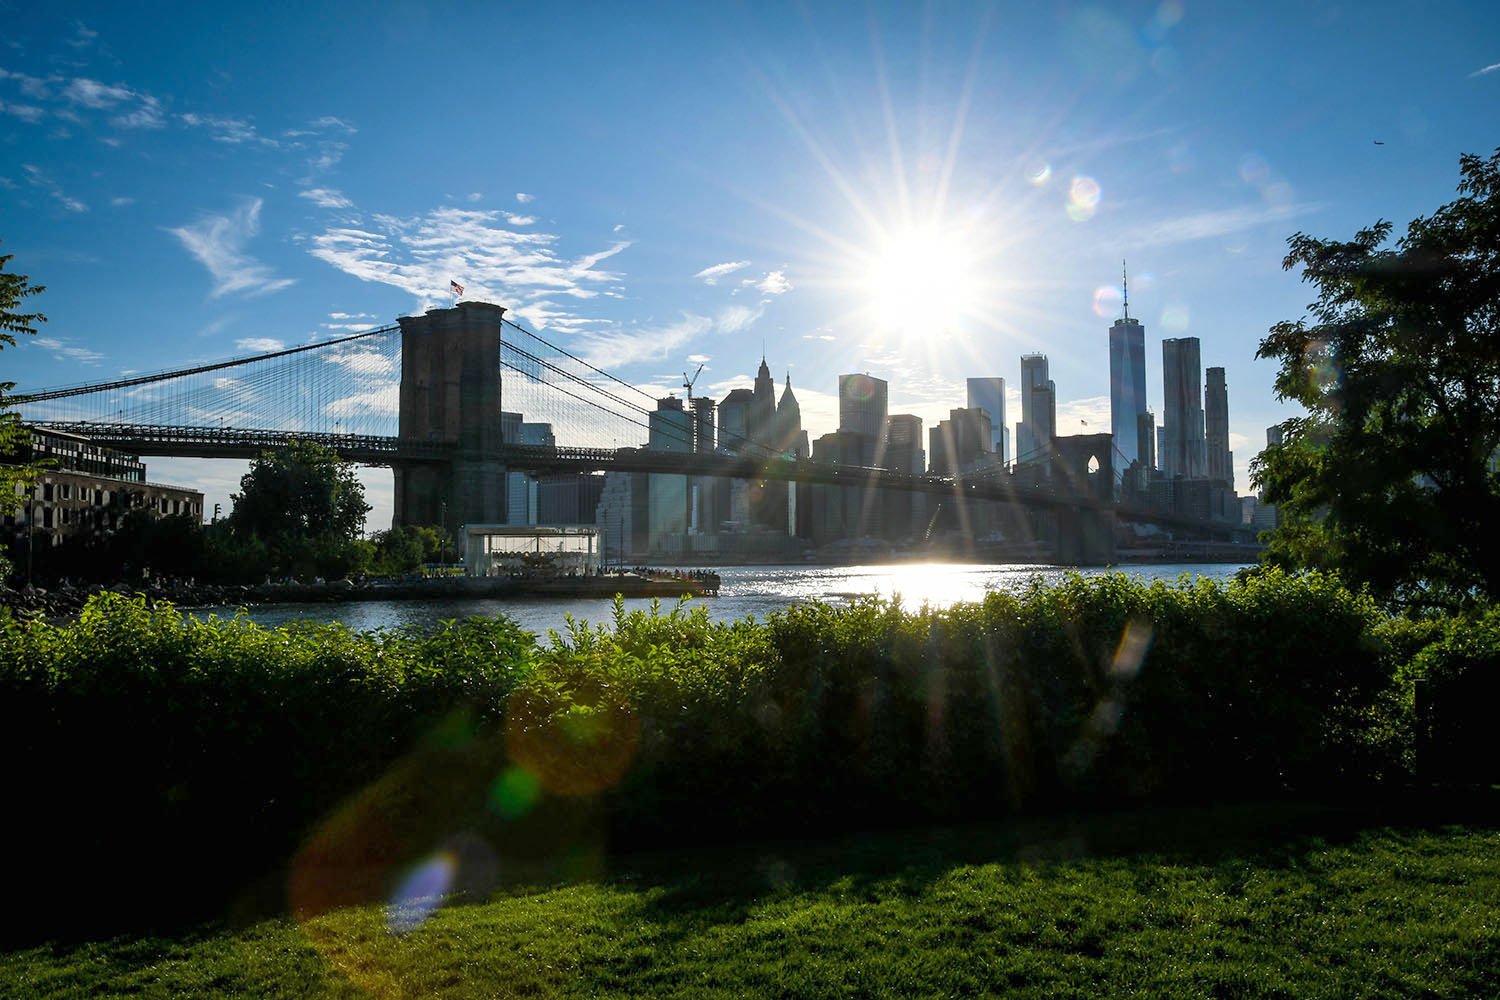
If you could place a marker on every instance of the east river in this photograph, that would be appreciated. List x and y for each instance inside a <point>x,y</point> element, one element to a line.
<point>745,591</point>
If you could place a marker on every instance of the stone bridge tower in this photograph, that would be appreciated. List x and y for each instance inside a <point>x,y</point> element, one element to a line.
<point>1083,466</point>
<point>450,396</point>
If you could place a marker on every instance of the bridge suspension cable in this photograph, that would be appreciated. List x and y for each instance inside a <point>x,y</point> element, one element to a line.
<point>64,392</point>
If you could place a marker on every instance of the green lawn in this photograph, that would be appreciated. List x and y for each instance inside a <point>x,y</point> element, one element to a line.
<point>1246,901</point>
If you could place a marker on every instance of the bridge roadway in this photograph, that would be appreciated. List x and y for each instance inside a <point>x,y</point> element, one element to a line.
<point>246,443</point>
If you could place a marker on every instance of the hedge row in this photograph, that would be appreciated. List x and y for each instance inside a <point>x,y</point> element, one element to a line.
<point>159,761</point>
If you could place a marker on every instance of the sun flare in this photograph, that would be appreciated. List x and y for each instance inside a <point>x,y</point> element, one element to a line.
<point>921,276</point>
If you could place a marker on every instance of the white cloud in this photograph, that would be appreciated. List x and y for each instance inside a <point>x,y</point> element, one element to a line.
<point>82,37</point>
<point>217,241</point>
<point>148,114</point>
<point>712,274</point>
<point>474,196</point>
<point>616,348</point>
<point>335,124</point>
<point>1486,70</point>
<point>37,178</point>
<point>121,202</point>
<point>699,359</point>
<point>372,402</point>
<point>1083,416</point>
<point>326,198</point>
<point>93,94</point>
<point>342,315</point>
<point>363,362</point>
<point>65,349</point>
<point>774,283</point>
<point>26,112</point>
<point>421,254</point>
<point>1214,224</point>
<point>524,198</point>
<point>230,131</point>
<point>260,345</point>
<point>737,318</point>
<point>519,220</point>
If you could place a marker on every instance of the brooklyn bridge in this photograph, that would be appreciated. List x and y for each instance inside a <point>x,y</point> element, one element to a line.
<point>428,397</point>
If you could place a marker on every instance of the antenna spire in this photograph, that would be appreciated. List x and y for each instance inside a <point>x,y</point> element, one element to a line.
<point>1125,287</point>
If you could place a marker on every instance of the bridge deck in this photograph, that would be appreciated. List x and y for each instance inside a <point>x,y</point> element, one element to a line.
<point>245,443</point>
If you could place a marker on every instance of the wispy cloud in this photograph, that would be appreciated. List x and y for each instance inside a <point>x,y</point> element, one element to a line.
<point>1486,70</point>
<point>326,198</point>
<point>737,318</point>
<point>83,36</point>
<point>613,349</point>
<point>218,242</point>
<point>344,315</point>
<point>1210,225</point>
<point>230,131</point>
<point>66,350</point>
<point>711,275</point>
<point>37,178</point>
<point>420,254</point>
<point>121,201</point>
<point>260,345</point>
<point>26,112</point>
<point>330,123</point>
<point>147,114</point>
<point>95,95</point>
<point>524,198</point>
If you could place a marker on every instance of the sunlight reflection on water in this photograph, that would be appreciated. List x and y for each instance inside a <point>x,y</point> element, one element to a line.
<point>746,591</point>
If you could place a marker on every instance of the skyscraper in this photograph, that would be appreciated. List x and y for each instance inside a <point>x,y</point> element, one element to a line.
<point>1183,450</point>
<point>988,394</point>
<point>1038,410</point>
<point>1216,428</point>
<point>862,410</point>
<point>1127,383</point>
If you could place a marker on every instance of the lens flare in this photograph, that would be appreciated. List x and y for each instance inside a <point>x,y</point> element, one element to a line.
<point>1175,317</point>
<point>859,387</point>
<point>420,893</point>
<point>515,792</point>
<point>1135,641</point>
<point>575,743</point>
<point>1106,302</point>
<point>1254,169</point>
<point>1169,14</point>
<point>1039,174</point>
<point>1083,199</point>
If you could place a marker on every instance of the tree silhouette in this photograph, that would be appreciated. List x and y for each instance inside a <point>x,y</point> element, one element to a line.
<point>1391,476</point>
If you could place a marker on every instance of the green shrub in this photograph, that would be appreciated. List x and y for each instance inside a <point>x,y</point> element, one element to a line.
<point>158,757</point>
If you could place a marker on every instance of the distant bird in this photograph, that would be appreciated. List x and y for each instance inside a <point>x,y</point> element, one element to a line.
<point>1380,142</point>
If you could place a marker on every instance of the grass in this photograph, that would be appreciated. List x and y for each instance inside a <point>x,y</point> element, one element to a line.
<point>1243,901</point>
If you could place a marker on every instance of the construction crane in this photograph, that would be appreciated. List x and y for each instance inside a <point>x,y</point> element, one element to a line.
<point>693,445</point>
<point>688,383</point>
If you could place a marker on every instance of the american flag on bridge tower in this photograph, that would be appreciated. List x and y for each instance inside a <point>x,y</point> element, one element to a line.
<point>457,288</point>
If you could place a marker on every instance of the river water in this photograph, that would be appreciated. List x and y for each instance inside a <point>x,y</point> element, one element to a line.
<point>746,591</point>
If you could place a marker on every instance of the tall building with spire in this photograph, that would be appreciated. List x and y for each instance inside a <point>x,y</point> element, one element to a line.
<point>1127,382</point>
<point>762,413</point>
<point>1216,428</point>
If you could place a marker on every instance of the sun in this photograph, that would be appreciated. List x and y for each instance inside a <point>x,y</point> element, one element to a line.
<point>921,277</point>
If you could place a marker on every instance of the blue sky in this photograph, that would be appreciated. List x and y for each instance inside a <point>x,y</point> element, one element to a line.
<point>920,192</point>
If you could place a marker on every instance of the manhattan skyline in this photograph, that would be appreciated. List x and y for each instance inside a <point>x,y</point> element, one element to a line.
<point>921,195</point>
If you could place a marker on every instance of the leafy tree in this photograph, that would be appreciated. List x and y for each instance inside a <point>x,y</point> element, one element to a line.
<point>13,437</point>
<point>306,505</point>
<point>1391,477</point>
